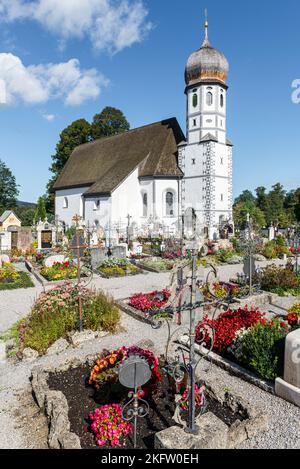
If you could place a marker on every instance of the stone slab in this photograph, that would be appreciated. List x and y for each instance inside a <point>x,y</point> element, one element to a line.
<point>51,260</point>
<point>287,391</point>
<point>292,359</point>
<point>212,434</point>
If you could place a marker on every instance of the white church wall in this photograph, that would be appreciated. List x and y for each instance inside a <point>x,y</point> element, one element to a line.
<point>97,211</point>
<point>69,202</point>
<point>127,200</point>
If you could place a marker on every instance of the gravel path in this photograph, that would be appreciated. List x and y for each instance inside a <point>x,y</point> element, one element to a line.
<point>21,426</point>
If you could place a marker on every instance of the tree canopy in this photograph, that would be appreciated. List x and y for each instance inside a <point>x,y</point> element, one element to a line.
<point>109,122</point>
<point>277,207</point>
<point>9,190</point>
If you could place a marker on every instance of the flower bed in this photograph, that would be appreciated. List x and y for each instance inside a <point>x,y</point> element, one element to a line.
<point>11,279</point>
<point>117,268</point>
<point>156,264</point>
<point>282,281</point>
<point>248,338</point>
<point>59,271</point>
<point>55,314</point>
<point>150,302</point>
<point>96,415</point>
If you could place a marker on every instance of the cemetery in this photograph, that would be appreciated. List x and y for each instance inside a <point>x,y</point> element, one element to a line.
<point>141,308</point>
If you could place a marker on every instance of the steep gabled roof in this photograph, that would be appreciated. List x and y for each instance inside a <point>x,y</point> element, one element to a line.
<point>6,214</point>
<point>104,164</point>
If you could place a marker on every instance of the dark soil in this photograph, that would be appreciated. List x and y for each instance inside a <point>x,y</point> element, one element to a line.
<point>83,399</point>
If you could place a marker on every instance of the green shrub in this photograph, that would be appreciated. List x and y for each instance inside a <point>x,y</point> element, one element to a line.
<point>269,250</point>
<point>56,313</point>
<point>262,349</point>
<point>225,255</point>
<point>159,264</point>
<point>277,279</point>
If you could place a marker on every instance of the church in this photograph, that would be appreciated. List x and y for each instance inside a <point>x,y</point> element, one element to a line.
<point>155,178</point>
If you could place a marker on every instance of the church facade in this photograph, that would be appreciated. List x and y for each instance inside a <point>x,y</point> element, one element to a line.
<point>155,178</point>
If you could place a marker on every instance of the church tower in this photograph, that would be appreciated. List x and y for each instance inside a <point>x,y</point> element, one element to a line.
<point>206,156</point>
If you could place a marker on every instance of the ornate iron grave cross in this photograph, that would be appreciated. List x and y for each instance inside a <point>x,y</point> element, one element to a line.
<point>134,373</point>
<point>195,301</point>
<point>78,245</point>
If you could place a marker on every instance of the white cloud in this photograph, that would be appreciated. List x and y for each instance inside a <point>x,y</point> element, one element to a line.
<point>49,117</point>
<point>110,24</point>
<point>39,83</point>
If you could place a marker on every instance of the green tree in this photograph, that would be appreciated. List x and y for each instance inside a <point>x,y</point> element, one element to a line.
<point>240,212</point>
<point>9,190</point>
<point>109,122</point>
<point>276,202</point>
<point>245,197</point>
<point>40,213</point>
<point>26,215</point>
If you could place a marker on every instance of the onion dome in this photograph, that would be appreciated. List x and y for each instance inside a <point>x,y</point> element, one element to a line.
<point>206,64</point>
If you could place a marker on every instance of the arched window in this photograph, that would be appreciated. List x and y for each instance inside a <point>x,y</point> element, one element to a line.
<point>222,100</point>
<point>66,202</point>
<point>195,100</point>
<point>97,205</point>
<point>209,98</point>
<point>169,204</point>
<point>145,204</point>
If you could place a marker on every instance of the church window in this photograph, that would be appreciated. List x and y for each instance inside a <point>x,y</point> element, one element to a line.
<point>222,100</point>
<point>193,161</point>
<point>66,202</point>
<point>169,204</point>
<point>221,160</point>
<point>194,122</point>
<point>145,204</point>
<point>195,100</point>
<point>97,204</point>
<point>209,98</point>
<point>222,197</point>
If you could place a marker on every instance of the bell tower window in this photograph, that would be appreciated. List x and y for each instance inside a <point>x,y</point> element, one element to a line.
<point>209,98</point>
<point>195,100</point>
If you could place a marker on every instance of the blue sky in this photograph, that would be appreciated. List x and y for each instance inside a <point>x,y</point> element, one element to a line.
<point>134,54</point>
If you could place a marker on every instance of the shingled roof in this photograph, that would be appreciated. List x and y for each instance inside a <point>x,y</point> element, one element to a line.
<point>104,164</point>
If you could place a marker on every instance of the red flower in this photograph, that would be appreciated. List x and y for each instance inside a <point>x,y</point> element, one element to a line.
<point>225,327</point>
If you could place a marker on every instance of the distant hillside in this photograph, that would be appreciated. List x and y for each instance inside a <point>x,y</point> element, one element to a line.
<point>20,203</point>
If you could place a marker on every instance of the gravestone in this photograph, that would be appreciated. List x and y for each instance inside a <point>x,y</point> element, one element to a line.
<point>51,260</point>
<point>98,255</point>
<point>119,252</point>
<point>4,258</point>
<point>78,241</point>
<point>247,264</point>
<point>289,387</point>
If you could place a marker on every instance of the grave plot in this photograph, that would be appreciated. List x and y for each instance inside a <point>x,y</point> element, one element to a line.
<point>146,307</point>
<point>12,278</point>
<point>65,316</point>
<point>98,402</point>
<point>113,267</point>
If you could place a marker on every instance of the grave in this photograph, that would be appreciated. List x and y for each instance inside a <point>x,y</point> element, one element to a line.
<point>51,260</point>
<point>289,387</point>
